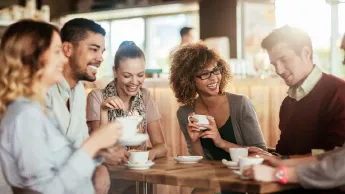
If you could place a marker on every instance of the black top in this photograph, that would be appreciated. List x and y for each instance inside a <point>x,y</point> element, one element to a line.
<point>227,133</point>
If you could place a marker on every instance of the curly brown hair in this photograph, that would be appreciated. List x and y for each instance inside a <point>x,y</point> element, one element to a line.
<point>187,61</point>
<point>21,49</point>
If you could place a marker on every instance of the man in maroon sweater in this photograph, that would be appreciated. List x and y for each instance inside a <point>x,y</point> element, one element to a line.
<point>312,116</point>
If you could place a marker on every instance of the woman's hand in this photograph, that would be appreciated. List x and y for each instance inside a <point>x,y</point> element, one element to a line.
<point>113,102</point>
<point>212,132</point>
<point>255,151</point>
<point>105,137</point>
<point>260,173</point>
<point>115,155</point>
<point>193,129</point>
<point>152,155</point>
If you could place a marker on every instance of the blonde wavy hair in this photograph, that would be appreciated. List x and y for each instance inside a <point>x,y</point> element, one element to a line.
<point>187,62</point>
<point>21,65</point>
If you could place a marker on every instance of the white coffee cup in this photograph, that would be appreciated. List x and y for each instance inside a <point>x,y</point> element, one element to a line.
<point>138,156</point>
<point>202,119</point>
<point>247,161</point>
<point>237,153</point>
<point>129,127</point>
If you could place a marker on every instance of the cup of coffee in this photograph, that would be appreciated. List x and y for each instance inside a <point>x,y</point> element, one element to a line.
<point>129,127</point>
<point>138,156</point>
<point>202,119</point>
<point>247,161</point>
<point>237,153</point>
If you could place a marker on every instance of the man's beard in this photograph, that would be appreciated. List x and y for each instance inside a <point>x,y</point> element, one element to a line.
<point>80,74</point>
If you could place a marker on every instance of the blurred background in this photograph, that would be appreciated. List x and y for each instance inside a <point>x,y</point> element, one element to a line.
<point>234,27</point>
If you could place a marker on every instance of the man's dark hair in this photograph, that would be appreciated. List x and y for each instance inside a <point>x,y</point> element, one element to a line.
<point>295,38</point>
<point>185,31</point>
<point>77,29</point>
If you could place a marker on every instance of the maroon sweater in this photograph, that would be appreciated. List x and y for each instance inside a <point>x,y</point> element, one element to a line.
<point>317,121</point>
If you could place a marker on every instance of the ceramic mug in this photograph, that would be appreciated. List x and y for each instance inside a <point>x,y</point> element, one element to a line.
<point>138,156</point>
<point>129,127</point>
<point>236,153</point>
<point>247,161</point>
<point>202,119</point>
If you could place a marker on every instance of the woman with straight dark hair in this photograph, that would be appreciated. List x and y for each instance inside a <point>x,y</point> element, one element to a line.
<point>35,155</point>
<point>122,97</point>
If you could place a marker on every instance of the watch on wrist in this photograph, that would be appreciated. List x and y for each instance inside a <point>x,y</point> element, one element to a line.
<point>281,175</point>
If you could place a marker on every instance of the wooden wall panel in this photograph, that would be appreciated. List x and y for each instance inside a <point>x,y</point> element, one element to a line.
<point>266,96</point>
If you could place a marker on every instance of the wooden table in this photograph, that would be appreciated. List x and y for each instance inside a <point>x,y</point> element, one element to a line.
<point>206,174</point>
<point>265,94</point>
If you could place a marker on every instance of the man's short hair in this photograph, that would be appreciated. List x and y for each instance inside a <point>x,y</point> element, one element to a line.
<point>77,29</point>
<point>295,38</point>
<point>185,31</point>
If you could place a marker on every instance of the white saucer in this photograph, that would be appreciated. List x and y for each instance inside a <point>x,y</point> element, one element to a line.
<point>240,174</point>
<point>230,164</point>
<point>188,159</point>
<point>134,141</point>
<point>145,166</point>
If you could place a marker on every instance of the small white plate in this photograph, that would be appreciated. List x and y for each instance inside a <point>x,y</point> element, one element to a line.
<point>145,166</point>
<point>134,141</point>
<point>240,174</point>
<point>230,164</point>
<point>188,159</point>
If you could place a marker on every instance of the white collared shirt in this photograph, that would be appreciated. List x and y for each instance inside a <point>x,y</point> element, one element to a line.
<point>73,121</point>
<point>35,154</point>
<point>307,86</point>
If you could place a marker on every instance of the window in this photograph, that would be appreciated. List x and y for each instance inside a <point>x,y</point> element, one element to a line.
<point>127,29</point>
<point>341,33</point>
<point>163,36</point>
<point>105,68</point>
<point>312,16</point>
<point>156,36</point>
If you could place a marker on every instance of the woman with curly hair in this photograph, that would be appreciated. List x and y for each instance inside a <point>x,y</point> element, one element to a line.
<point>199,77</point>
<point>35,156</point>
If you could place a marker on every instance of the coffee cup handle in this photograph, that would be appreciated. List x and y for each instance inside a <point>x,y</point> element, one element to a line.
<point>189,119</point>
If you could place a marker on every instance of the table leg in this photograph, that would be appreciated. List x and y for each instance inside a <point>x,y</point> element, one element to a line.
<point>137,189</point>
<point>144,188</point>
<point>149,188</point>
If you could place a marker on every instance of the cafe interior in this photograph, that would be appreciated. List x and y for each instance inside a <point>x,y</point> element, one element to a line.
<point>235,28</point>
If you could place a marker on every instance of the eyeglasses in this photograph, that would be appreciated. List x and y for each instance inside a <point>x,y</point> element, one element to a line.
<point>206,75</point>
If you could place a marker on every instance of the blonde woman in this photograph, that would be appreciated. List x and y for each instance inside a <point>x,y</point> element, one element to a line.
<point>35,156</point>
